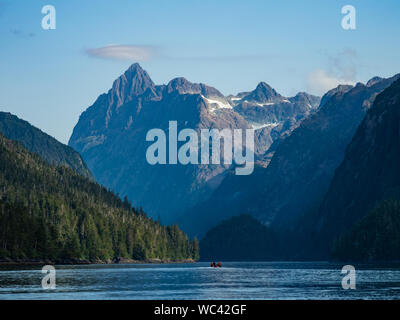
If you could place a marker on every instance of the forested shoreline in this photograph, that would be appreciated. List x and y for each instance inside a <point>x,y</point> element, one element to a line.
<point>53,213</point>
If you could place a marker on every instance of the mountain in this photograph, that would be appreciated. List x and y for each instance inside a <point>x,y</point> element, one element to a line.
<point>263,94</point>
<point>41,143</point>
<point>111,136</point>
<point>52,212</point>
<point>112,139</point>
<point>240,238</point>
<point>300,171</point>
<point>367,179</point>
<point>271,114</point>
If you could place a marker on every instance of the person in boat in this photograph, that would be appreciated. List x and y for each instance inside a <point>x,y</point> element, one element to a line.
<point>216,265</point>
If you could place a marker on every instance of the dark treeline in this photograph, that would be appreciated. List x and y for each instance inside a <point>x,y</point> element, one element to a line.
<point>240,238</point>
<point>375,238</point>
<point>51,212</point>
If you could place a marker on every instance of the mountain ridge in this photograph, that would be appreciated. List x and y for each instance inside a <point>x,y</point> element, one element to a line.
<point>35,140</point>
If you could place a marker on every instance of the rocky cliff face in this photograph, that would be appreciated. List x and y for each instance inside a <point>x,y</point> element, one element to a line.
<point>111,135</point>
<point>369,173</point>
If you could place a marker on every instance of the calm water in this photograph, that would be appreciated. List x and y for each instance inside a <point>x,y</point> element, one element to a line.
<point>268,280</point>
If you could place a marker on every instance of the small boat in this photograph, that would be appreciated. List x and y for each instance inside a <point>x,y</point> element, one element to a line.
<point>216,265</point>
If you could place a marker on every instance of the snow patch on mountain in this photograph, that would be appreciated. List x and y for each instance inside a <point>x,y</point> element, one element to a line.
<point>258,126</point>
<point>220,104</point>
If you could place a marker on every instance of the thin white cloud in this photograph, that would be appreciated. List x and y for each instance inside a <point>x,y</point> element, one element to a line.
<point>341,69</point>
<point>145,53</point>
<point>319,82</point>
<point>124,52</point>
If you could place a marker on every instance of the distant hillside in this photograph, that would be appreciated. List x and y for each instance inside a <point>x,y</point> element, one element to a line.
<point>240,238</point>
<point>36,141</point>
<point>51,212</point>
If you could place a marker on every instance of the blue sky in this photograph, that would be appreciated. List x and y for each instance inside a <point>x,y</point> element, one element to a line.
<point>49,77</point>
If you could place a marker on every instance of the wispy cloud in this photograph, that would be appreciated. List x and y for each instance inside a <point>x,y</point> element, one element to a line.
<point>22,33</point>
<point>341,69</point>
<point>124,52</point>
<point>319,82</point>
<point>145,53</point>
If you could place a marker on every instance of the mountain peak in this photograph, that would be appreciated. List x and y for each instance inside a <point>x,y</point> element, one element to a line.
<point>134,69</point>
<point>178,82</point>
<point>136,72</point>
<point>135,66</point>
<point>184,86</point>
<point>309,99</point>
<point>264,86</point>
<point>263,93</point>
<point>134,82</point>
<point>341,88</point>
<point>373,81</point>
